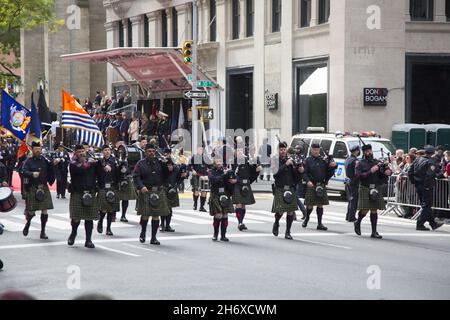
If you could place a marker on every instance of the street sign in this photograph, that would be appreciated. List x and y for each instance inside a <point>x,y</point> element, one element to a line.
<point>208,114</point>
<point>205,83</point>
<point>189,77</point>
<point>195,94</point>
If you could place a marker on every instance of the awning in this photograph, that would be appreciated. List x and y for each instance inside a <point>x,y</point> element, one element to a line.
<point>155,69</point>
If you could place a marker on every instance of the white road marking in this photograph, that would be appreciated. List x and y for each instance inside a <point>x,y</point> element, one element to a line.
<point>118,251</point>
<point>325,244</point>
<point>145,249</point>
<point>11,226</point>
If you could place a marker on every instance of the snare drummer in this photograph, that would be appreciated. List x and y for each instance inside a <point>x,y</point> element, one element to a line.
<point>199,167</point>
<point>39,172</point>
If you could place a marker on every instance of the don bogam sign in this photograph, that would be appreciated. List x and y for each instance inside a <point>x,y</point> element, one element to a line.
<point>375,97</point>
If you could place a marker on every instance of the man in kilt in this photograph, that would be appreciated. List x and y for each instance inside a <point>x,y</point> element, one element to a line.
<point>126,191</point>
<point>371,176</point>
<point>86,179</point>
<point>246,173</point>
<point>150,176</point>
<point>61,171</point>
<point>199,167</point>
<point>286,177</point>
<point>220,203</point>
<point>108,198</point>
<point>318,172</point>
<point>352,184</point>
<point>38,173</point>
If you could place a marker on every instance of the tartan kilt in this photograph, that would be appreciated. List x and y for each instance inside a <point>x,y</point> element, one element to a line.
<point>214,204</point>
<point>104,205</point>
<point>175,202</point>
<point>279,206</point>
<point>129,193</point>
<point>238,198</point>
<point>364,202</point>
<point>311,200</point>
<point>195,183</point>
<point>80,212</point>
<point>144,208</point>
<point>33,205</point>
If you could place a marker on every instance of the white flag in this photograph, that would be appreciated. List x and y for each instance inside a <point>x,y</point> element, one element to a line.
<point>181,117</point>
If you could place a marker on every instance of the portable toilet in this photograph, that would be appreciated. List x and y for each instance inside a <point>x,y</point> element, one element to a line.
<point>409,135</point>
<point>438,135</point>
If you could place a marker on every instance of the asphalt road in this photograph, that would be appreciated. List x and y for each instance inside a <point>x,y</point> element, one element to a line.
<point>335,264</point>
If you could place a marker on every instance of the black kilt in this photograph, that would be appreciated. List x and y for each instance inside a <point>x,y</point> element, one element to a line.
<point>33,205</point>
<point>104,205</point>
<point>195,183</point>
<point>80,212</point>
<point>129,192</point>
<point>364,202</point>
<point>238,198</point>
<point>311,200</point>
<point>175,202</point>
<point>279,206</point>
<point>144,208</point>
<point>214,204</point>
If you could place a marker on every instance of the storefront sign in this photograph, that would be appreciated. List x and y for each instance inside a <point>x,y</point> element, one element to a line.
<point>271,101</point>
<point>375,97</point>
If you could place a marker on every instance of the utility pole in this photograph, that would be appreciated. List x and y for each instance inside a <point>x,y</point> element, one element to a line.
<point>194,75</point>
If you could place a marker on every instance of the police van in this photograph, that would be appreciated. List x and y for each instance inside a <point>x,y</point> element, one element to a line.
<point>338,146</point>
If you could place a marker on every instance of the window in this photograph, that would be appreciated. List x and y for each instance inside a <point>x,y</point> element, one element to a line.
<point>174,27</point>
<point>305,13</point>
<point>276,15</point>
<point>324,11</point>
<point>340,150</point>
<point>130,33</point>
<point>212,17</point>
<point>121,35</point>
<point>236,18</point>
<point>146,32</point>
<point>326,146</point>
<point>164,28</point>
<point>250,17</point>
<point>447,9</point>
<point>421,10</point>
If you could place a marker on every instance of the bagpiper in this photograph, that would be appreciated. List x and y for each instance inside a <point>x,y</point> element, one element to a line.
<point>62,170</point>
<point>126,191</point>
<point>199,167</point>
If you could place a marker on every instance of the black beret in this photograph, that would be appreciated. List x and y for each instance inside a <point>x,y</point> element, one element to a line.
<point>282,145</point>
<point>106,146</point>
<point>79,147</point>
<point>366,147</point>
<point>35,144</point>
<point>150,146</point>
<point>315,146</point>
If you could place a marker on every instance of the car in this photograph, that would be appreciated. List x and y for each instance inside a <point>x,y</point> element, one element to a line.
<point>338,145</point>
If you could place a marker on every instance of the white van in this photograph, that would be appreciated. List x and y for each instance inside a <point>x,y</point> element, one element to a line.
<point>338,145</point>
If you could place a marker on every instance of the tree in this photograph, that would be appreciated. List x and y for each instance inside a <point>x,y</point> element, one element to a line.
<point>16,15</point>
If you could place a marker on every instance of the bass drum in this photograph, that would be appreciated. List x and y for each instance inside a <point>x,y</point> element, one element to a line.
<point>7,200</point>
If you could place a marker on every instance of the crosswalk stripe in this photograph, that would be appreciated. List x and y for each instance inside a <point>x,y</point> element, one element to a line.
<point>11,226</point>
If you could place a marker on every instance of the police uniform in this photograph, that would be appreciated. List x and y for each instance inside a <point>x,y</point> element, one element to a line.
<point>220,202</point>
<point>423,173</point>
<point>86,179</point>
<point>317,171</point>
<point>37,193</point>
<point>151,173</point>
<point>199,165</point>
<point>286,178</point>
<point>352,185</point>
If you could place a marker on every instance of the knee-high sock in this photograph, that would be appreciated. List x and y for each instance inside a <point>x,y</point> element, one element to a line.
<point>195,200</point>
<point>169,219</point>
<point>143,224</point>
<point>319,215</point>
<point>29,217</point>
<point>124,207</point>
<point>155,226</point>
<point>277,218</point>
<point>289,220</point>
<point>202,201</point>
<point>374,221</point>
<point>88,226</point>
<point>216,225</point>
<point>240,214</point>
<point>109,220</point>
<point>44,219</point>
<point>223,226</point>
<point>243,214</point>
<point>75,225</point>
<point>163,221</point>
<point>360,217</point>
<point>308,214</point>
<point>102,216</point>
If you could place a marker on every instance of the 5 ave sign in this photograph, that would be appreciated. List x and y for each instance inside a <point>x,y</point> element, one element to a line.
<point>195,95</point>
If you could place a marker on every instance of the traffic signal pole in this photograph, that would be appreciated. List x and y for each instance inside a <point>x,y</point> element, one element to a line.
<point>194,75</point>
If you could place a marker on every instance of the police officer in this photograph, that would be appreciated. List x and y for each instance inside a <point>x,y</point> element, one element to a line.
<point>199,167</point>
<point>126,191</point>
<point>247,171</point>
<point>61,170</point>
<point>220,203</point>
<point>286,177</point>
<point>86,179</point>
<point>352,182</point>
<point>150,176</point>
<point>372,174</point>
<point>423,173</point>
<point>108,198</point>
<point>318,172</point>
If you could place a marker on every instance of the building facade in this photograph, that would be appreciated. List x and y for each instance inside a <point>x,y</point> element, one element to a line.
<point>286,65</point>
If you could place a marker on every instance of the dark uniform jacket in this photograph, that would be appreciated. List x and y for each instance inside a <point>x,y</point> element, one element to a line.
<point>317,170</point>
<point>424,171</point>
<point>63,166</point>
<point>350,165</point>
<point>219,179</point>
<point>285,175</point>
<point>365,176</point>
<point>3,173</point>
<point>86,176</point>
<point>244,170</point>
<point>38,164</point>
<point>150,173</point>
<point>174,177</point>
<point>199,164</point>
<point>111,178</point>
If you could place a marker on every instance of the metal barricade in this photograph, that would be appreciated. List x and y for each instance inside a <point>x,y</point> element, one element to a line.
<point>401,193</point>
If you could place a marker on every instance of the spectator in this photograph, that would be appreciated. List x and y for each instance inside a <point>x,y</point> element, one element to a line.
<point>124,127</point>
<point>133,130</point>
<point>412,151</point>
<point>145,123</point>
<point>113,105</point>
<point>126,98</point>
<point>265,152</point>
<point>439,155</point>
<point>141,143</point>
<point>98,98</point>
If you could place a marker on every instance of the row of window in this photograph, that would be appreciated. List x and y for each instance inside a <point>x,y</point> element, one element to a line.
<point>422,10</point>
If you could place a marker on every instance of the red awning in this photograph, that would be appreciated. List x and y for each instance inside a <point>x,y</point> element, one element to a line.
<point>155,69</point>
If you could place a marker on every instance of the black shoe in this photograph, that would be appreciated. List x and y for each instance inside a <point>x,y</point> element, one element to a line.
<point>162,229</point>
<point>89,244</point>
<point>123,219</point>
<point>169,229</point>
<point>244,227</point>
<point>26,229</point>
<point>224,239</point>
<point>195,207</point>
<point>109,233</point>
<point>71,240</point>
<point>275,228</point>
<point>241,227</point>
<point>214,238</point>
<point>57,196</point>
<point>358,228</point>
<point>288,236</point>
<point>155,242</point>
<point>63,197</point>
<point>436,225</point>
<point>376,236</point>
<point>99,228</point>
<point>352,220</point>
<point>422,228</point>
<point>142,237</point>
<point>322,227</point>
<point>305,223</point>
<point>43,236</point>
<point>304,217</point>
<point>202,209</point>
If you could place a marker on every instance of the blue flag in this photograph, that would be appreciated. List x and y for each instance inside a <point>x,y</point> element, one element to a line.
<point>15,117</point>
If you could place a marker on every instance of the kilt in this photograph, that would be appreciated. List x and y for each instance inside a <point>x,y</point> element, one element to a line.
<point>175,202</point>
<point>80,212</point>
<point>364,202</point>
<point>104,205</point>
<point>128,193</point>
<point>311,200</point>
<point>195,183</point>
<point>238,198</point>
<point>214,204</point>
<point>144,208</point>
<point>279,206</point>
<point>33,205</point>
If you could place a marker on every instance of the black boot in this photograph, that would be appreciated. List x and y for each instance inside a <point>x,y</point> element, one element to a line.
<point>73,235</point>
<point>195,202</point>
<point>216,225</point>
<point>155,225</point>
<point>124,211</point>
<point>373,222</point>
<point>308,214</point>
<point>168,220</point>
<point>162,224</point>
<point>100,222</point>
<point>289,221</point>
<point>109,219</point>
<point>144,224</point>
<point>358,224</point>
<point>276,225</point>
<point>44,219</point>
<point>26,229</point>
<point>223,229</point>
<point>88,227</point>
<point>202,204</point>
<point>320,226</point>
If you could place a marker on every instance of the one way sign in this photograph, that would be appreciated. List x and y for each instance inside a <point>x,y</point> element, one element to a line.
<point>195,95</point>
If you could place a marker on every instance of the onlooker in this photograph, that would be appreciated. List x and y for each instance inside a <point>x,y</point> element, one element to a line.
<point>133,130</point>
<point>145,122</point>
<point>265,152</point>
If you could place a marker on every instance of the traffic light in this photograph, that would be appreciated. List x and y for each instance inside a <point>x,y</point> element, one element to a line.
<point>187,52</point>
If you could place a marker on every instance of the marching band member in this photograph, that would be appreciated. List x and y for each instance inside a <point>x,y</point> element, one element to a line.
<point>62,170</point>
<point>199,167</point>
<point>126,190</point>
